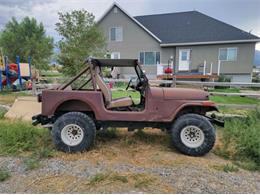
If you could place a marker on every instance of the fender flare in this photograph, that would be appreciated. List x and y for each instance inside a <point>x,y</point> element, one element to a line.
<point>207,105</point>
<point>88,106</point>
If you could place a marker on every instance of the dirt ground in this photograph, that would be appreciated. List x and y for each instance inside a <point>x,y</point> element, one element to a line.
<point>128,162</point>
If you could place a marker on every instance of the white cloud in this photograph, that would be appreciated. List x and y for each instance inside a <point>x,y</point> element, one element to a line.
<point>47,12</point>
<point>240,13</point>
<point>257,46</point>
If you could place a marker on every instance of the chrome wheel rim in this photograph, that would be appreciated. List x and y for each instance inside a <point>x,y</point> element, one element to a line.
<point>72,135</point>
<point>192,136</point>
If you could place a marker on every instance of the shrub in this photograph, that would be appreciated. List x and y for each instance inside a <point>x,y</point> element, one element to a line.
<point>44,152</point>
<point>2,113</point>
<point>106,72</point>
<point>99,177</point>
<point>120,84</point>
<point>230,168</point>
<point>223,78</point>
<point>142,180</point>
<point>121,178</point>
<point>241,140</point>
<point>110,176</point>
<point>227,168</point>
<point>31,163</point>
<point>4,175</point>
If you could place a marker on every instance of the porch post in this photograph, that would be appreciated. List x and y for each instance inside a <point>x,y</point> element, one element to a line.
<point>219,63</point>
<point>173,65</point>
<point>211,66</point>
<point>204,68</point>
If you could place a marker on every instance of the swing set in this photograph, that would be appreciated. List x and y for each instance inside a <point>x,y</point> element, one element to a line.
<point>12,72</point>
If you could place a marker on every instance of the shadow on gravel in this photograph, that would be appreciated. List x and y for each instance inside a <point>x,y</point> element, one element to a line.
<point>144,137</point>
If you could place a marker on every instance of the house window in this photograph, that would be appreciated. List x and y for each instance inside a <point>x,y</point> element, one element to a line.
<point>116,34</point>
<point>184,56</point>
<point>115,10</point>
<point>149,58</point>
<point>228,54</point>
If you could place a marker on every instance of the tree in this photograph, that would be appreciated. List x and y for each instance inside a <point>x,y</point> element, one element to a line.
<point>80,38</point>
<point>25,39</point>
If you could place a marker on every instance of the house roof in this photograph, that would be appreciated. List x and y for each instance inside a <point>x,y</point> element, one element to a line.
<point>187,28</point>
<point>193,27</point>
<point>132,18</point>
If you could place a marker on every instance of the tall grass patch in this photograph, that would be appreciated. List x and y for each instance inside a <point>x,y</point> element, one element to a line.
<point>2,113</point>
<point>17,137</point>
<point>4,174</point>
<point>241,141</point>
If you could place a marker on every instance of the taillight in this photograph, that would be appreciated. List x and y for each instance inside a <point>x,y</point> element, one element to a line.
<point>39,97</point>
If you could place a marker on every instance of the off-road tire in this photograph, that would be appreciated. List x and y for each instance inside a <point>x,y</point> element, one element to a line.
<point>200,122</point>
<point>81,120</point>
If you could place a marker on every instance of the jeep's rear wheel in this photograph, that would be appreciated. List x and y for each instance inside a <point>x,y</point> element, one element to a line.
<point>193,134</point>
<point>74,132</point>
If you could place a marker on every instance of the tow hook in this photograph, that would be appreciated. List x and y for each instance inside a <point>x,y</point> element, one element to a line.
<point>40,119</point>
<point>36,120</point>
<point>212,118</point>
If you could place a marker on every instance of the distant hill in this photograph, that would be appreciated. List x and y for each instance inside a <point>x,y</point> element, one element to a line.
<point>257,58</point>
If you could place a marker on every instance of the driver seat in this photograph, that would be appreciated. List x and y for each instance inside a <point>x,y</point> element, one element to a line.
<point>111,103</point>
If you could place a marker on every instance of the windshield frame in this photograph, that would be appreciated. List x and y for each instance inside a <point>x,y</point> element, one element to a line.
<point>141,75</point>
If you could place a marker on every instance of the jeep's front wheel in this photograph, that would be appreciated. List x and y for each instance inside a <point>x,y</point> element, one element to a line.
<point>74,132</point>
<point>193,134</point>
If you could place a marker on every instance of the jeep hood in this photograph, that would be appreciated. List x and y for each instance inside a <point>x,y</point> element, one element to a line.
<point>184,94</point>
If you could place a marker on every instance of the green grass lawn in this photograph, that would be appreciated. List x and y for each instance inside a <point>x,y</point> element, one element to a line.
<point>12,93</point>
<point>123,93</point>
<point>225,90</point>
<point>8,97</point>
<point>228,110</point>
<point>218,99</point>
<point>51,73</point>
<point>234,100</point>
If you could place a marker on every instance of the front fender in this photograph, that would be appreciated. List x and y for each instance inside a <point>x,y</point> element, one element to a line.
<point>199,107</point>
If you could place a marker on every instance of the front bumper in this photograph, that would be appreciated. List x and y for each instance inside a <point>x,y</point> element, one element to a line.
<point>215,121</point>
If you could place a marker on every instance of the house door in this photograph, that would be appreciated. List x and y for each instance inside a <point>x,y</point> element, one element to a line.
<point>115,55</point>
<point>184,59</point>
<point>115,72</point>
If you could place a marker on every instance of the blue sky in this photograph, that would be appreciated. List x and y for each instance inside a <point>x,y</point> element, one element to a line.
<point>244,14</point>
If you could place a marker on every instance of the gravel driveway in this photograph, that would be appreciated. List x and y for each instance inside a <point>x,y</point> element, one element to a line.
<point>120,166</point>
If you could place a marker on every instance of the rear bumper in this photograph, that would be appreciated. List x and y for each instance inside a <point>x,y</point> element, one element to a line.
<point>40,119</point>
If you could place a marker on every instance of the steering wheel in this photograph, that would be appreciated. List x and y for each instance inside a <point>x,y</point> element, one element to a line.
<point>128,85</point>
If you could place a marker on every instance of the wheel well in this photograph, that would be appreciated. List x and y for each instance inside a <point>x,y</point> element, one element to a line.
<point>201,110</point>
<point>74,106</point>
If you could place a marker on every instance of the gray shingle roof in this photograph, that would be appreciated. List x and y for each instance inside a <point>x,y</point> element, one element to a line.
<point>193,26</point>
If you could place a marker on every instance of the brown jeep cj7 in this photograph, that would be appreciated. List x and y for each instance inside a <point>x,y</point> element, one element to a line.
<point>77,109</point>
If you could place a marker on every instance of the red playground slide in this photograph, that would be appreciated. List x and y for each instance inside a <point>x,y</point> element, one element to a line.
<point>12,74</point>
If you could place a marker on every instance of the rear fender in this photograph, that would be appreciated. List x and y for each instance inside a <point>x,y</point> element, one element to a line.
<point>73,105</point>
